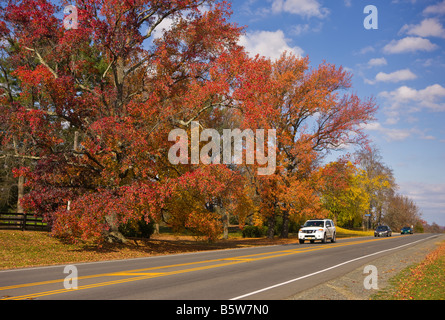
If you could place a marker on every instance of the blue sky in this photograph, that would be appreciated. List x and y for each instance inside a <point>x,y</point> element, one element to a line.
<point>401,64</point>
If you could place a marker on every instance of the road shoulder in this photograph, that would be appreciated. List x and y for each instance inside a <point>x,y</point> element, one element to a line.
<point>350,286</point>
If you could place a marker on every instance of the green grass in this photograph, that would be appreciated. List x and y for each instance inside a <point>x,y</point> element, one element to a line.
<point>422,281</point>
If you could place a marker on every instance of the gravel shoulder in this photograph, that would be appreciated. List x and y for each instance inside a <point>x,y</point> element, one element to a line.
<point>350,286</point>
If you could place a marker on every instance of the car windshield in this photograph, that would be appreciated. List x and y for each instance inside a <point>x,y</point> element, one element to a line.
<point>405,228</point>
<point>381,228</point>
<point>314,223</point>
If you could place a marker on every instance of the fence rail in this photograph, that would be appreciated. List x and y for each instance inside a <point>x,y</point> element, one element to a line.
<point>22,221</point>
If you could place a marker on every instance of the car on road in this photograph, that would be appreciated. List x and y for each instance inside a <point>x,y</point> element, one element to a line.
<point>383,231</point>
<point>320,229</point>
<point>406,230</point>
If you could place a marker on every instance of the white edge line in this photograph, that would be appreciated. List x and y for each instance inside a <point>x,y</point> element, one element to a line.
<point>327,269</point>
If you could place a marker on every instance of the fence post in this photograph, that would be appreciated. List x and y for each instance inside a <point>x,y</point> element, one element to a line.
<point>24,222</point>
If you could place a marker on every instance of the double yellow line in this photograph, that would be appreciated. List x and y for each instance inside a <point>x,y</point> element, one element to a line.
<point>147,273</point>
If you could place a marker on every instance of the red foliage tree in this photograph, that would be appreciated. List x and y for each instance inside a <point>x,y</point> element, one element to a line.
<point>96,104</point>
<point>93,107</point>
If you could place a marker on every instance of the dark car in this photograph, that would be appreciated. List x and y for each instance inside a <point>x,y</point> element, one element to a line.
<point>406,230</point>
<point>383,231</point>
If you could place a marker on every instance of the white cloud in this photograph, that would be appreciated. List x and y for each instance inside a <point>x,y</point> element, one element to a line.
<point>438,9</point>
<point>406,100</point>
<point>397,76</point>
<point>165,26</point>
<point>390,134</point>
<point>377,62</point>
<point>409,44</point>
<point>401,94</point>
<point>395,134</point>
<point>304,8</point>
<point>429,197</point>
<point>366,50</point>
<point>300,29</point>
<point>269,44</point>
<point>427,28</point>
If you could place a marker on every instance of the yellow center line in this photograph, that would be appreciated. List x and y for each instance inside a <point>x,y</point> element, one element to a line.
<point>142,274</point>
<point>119,274</point>
<point>107,283</point>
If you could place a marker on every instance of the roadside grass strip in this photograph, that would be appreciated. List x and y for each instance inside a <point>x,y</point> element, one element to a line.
<point>421,281</point>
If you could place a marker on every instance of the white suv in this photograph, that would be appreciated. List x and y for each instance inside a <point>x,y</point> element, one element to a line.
<point>322,229</point>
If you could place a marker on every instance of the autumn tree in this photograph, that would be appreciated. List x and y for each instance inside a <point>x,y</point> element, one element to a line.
<point>344,192</point>
<point>93,106</point>
<point>13,152</point>
<point>380,181</point>
<point>96,103</point>
<point>432,228</point>
<point>401,211</point>
<point>313,113</point>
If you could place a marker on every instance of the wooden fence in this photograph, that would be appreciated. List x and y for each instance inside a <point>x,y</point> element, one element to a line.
<point>22,221</point>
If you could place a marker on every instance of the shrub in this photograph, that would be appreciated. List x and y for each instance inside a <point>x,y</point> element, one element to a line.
<point>254,232</point>
<point>137,229</point>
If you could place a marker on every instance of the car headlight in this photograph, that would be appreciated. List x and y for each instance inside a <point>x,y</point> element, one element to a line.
<point>320,230</point>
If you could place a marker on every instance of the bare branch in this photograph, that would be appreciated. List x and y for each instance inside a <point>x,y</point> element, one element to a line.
<point>42,61</point>
<point>20,156</point>
<point>108,68</point>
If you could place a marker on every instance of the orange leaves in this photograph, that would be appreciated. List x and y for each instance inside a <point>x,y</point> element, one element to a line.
<point>204,224</point>
<point>198,197</point>
<point>423,281</point>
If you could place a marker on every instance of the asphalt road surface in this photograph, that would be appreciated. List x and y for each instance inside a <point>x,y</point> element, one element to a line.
<point>264,273</point>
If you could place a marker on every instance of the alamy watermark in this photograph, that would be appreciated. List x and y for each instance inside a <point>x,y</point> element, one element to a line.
<point>210,153</point>
<point>70,281</point>
<point>371,279</point>
<point>372,19</point>
<point>370,22</point>
<point>71,21</point>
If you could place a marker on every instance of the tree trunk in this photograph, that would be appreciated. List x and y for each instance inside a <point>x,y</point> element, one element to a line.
<point>225,220</point>
<point>21,193</point>
<point>225,224</point>
<point>21,180</point>
<point>285,226</point>
<point>156,228</point>
<point>114,235</point>
<point>20,189</point>
<point>271,227</point>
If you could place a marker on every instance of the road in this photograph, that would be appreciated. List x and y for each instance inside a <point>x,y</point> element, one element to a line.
<point>263,273</point>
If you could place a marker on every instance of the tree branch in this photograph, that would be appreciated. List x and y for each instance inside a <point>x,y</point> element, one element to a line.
<point>42,61</point>
<point>20,156</point>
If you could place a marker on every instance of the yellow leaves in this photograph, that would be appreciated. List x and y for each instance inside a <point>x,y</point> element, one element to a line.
<point>345,193</point>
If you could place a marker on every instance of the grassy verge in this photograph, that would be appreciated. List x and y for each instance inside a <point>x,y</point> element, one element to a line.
<point>423,281</point>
